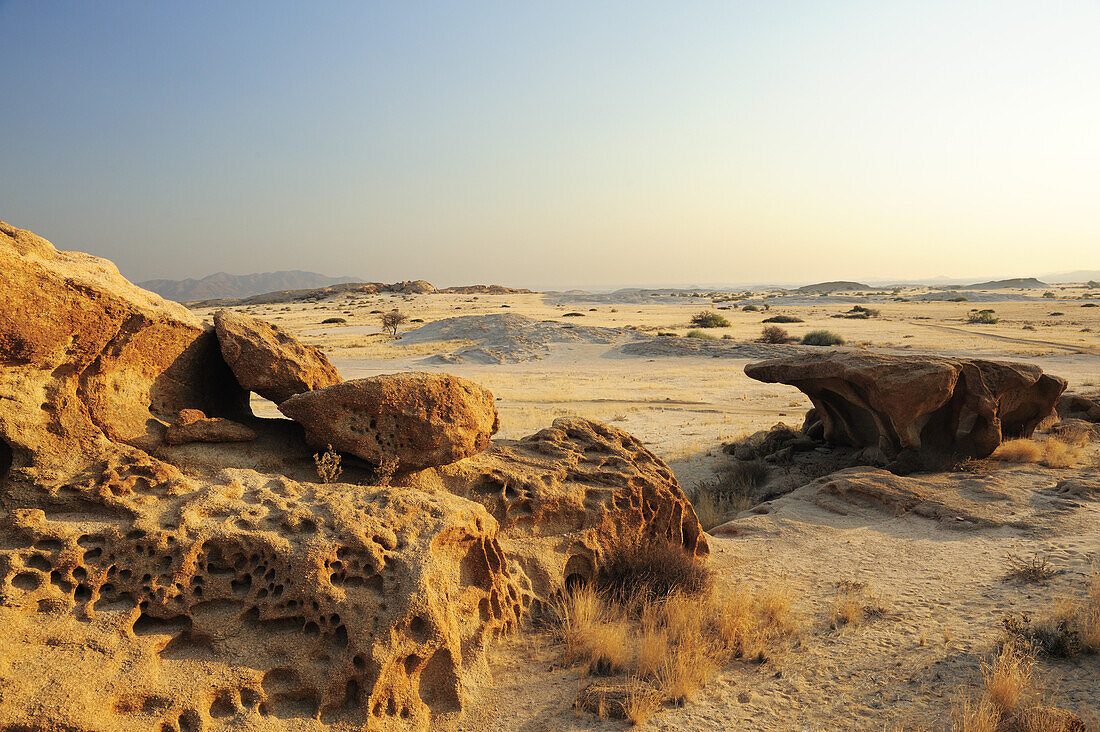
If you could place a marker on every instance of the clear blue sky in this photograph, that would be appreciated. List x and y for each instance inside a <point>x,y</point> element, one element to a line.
<point>557,144</point>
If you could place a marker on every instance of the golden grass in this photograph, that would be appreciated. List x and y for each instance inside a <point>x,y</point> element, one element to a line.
<point>854,604</point>
<point>1069,628</point>
<point>1052,452</point>
<point>673,644</point>
<point>1008,676</point>
<point>1035,569</point>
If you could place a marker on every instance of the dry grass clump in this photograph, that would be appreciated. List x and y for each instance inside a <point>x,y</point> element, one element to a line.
<point>855,603</point>
<point>651,571</point>
<point>729,492</point>
<point>1035,569</point>
<point>1010,701</point>
<point>1053,452</point>
<point>1070,628</point>
<point>665,647</point>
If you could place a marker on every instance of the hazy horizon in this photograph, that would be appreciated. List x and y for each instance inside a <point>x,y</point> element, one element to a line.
<point>571,146</point>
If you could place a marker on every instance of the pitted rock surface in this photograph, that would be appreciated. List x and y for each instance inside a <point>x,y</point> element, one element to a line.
<point>423,420</point>
<point>268,360</point>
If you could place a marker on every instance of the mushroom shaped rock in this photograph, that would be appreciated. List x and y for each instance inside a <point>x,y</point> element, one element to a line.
<point>938,410</point>
<point>191,425</point>
<point>423,420</point>
<point>268,360</point>
<point>569,495</point>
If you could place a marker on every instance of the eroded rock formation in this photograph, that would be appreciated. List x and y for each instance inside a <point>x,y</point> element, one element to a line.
<point>920,410</point>
<point>566,495</point>
<point>136,593</point>
<point>268,360</point>
<point>191,425</point>
<point>423,420</point>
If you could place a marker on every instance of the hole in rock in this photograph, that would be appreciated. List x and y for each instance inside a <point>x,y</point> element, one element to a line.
<point>7,458</point>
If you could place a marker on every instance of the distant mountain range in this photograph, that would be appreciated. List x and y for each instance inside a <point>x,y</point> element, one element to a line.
<point>225,286</point>
<point>1020,282</point>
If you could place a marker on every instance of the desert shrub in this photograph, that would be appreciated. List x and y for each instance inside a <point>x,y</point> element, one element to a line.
<point>822,338</point>
<point>960,298</point>
<point>859,312</point>
<point>1049,295</point>
<point>984,317</point>
<point>1071,627</point>
<point>392,320</point>
<point>573,315</point>
<point>1089,305</point>
<point>783,319</point>
<point>328,321</point>
<point>1055,315</point>
<point>774,334</point>
<point>328,465</point>
<point>668,334</point>
<point>709,319</point>
<point>751,308</point>
<point>1035,569</point>
<point>1053,452</point>
<point>701,334</point>
<point>729,492</point>
<point>653,570</point>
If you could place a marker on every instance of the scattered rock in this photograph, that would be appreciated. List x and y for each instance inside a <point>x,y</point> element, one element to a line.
<point>268,360</point>
<point>941,409</point>
<point>423,420</point>
<point>191,425</point>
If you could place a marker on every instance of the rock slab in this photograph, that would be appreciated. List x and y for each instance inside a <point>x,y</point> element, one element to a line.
<point>423,420</point>
<point>268,360</point>
<point>191,425</point>
<point>924,410</point>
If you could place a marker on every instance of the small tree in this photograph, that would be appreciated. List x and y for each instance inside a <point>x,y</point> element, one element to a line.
<point>392,319</point>
<point>774,334</point>
<point>709,319</point>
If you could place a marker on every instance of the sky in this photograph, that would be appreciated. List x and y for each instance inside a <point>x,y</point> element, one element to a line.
<point>555,145</point>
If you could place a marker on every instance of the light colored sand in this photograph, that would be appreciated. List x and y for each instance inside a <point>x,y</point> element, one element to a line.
<point>934,578</point>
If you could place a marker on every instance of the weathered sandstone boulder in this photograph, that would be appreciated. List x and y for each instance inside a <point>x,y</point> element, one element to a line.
<point>192,425</point>
<point>87,358</point>
<point>423,420</point>
<point>566,496</point>
<point>1076,406</point>
<point>922,410</point>
<point>268,360</point>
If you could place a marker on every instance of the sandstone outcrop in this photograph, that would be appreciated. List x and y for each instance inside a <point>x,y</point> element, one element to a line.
<point>145,585</point>
<point>423,420</point>
<point>86,358</point>
<point>192,425</point>
<point>921,409</point>
<point>268,360</point>
<point>566,496</point>
<point>1076,406</point>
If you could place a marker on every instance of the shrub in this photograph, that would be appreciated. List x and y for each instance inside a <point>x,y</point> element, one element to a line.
<point>573,315</point>
<point>701,334</point>
<point>328,321</point>
<point>1034,570</point>
<point>709,319</point>
<point>859,312</point>
<point>960,298</point>
<point>328,465</point>
<point>822,338</point>
<point>751,308</point>
<point>393,319</point>
<point>652,570</point>
<point>729,492</point>
<point>783,319</point>
<point>1070,628</point>
<point>774,334</point>
<point>1049,295</point>
<point>985,317</point>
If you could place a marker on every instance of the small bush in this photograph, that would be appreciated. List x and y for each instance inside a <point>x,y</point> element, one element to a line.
<point>822,338</point>
<point>853,605</point>
<point>1034,570</point>
<point>783,319</point>
<point>573,315</point>
<point>709,319</point>
<point>774,334</point>
<point>652,570</point>
<point>332,321</point>
<point>960,298</point>
<point>701,334</point>
<point>392,320</point>
<point>751,308</point>
<point>328,465</point>
<point>1049,295</point>
<point>1070,628</point>
<point>984,317</point>
<point>859,312</point>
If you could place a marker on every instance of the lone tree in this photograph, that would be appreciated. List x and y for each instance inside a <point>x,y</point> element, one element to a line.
<point>392,319</point>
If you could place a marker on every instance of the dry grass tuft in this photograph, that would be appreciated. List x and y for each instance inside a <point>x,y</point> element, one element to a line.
<point>654,571</point>
<point>855,603</point>
<point>1070,628</point>
<point>1009,675</point>
<point>1053,452</point>
<point>672,643</point>
<point>1035,569</point>
<point>731,491</point>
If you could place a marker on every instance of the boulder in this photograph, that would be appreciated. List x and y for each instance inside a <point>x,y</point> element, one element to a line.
<point>568,495</point>
<point>192,425</point>
<point>87,358</point>
<point>924,410</point>
<point>1077,406</point>
<point>423,420</point>
<point>268,360</point>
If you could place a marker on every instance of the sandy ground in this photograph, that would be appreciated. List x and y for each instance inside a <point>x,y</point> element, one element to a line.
<point>943,587</point>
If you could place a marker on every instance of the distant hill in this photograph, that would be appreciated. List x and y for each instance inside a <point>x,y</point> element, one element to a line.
<point>837,286</point>
<point>1022,282</point>
<point>1080,275</point>
<point>223,285</point>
